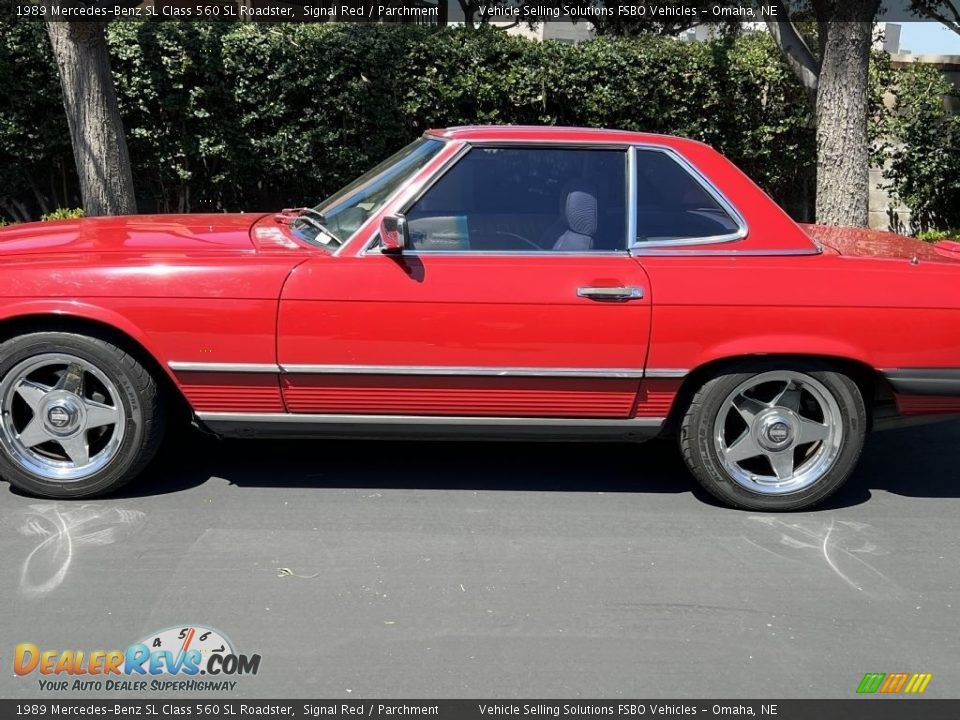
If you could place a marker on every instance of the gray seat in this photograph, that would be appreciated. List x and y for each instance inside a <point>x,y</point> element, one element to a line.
<point>580,221</point>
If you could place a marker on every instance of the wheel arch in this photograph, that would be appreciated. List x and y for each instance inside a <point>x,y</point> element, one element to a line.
<point>873,387</point>
<point>100,324</point>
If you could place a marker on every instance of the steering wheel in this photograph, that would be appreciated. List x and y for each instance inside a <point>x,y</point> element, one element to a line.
<point>521,238</point>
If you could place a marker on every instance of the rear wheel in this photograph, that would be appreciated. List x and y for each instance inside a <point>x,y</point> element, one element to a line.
<point>768,437</point>
<point>78,415</point>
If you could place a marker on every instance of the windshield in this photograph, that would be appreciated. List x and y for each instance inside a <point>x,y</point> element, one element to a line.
<point>338,217</point>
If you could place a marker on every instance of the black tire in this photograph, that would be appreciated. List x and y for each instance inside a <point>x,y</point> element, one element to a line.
<point>699,451</point>
<point>143,412</point>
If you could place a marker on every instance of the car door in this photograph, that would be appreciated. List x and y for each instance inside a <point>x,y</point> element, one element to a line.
<point>516,299</point>
<point>682,224</point>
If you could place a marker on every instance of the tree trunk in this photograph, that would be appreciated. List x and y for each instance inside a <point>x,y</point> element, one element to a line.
<point>93,116</point>
<point>843,148</point>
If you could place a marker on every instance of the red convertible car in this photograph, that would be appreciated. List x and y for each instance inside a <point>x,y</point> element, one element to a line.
<point>484,282</point>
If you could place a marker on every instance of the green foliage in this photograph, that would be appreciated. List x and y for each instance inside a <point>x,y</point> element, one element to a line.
<point>315,105</point>
<point>63,214</point>
<point>36,161</point>
<point>737,95</point>
<point>922,146</point>
<point>250,116</point>
<point>932,236</point>
<point>178,112</point>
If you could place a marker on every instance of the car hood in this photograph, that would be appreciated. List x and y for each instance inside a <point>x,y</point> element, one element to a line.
<point>862,242</point>
<point>131,234</point>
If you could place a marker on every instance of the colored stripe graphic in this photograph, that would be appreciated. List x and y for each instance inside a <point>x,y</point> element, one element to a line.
<point>918,682</point>
<point>894,683</point>
<point>871,682</point>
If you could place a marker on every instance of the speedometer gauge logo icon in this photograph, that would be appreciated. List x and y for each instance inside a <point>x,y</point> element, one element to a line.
<point>183,639</point>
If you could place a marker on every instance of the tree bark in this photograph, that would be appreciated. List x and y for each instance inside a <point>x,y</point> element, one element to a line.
<point>838,84</point>
<point>843,148</point>
<point>93,116</point>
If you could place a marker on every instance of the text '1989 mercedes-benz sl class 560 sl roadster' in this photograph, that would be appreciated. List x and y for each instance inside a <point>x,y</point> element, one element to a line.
<point>488,283</point>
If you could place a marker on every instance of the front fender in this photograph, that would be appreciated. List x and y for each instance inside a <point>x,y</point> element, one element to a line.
<point>74,309</point>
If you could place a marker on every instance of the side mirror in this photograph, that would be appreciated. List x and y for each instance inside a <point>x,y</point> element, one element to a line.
<point>394,237</point>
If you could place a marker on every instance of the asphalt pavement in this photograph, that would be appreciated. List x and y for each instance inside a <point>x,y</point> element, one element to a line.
<point>404,570</point>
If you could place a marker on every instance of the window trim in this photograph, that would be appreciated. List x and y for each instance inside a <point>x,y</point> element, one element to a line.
<point>468,147</point>
<point>460,153</point>
<point>633,247</point>
<point>343,242</point>
<point>637,247</point>
<point>372,222</point>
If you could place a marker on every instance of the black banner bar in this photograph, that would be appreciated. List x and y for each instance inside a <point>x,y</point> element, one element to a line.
<point>436,12</point>
<point>865,708</point>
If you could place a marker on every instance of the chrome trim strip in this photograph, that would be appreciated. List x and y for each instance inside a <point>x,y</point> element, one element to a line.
<point>631,196</point>
<point>510,253</point>
<point>553,144</point>
<point>223,367</point>
<point>635,251</point>
<point>430,420</point>
<point>461,371</point>
<point>465,149</point>
<point>440,370</point>
<point>640,251</point>
<point>634,247</point>
<point>443,370</point>
<point>666,373</point>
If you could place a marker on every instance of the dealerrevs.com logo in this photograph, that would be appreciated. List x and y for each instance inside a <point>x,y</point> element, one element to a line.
<point>188,658</point>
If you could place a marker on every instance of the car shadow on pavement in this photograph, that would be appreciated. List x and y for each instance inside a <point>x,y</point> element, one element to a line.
<point>917,462</point>
<point>188,461</point>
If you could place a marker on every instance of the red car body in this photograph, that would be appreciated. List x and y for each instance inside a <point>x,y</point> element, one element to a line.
<point>263,332</point>
<point>246,319</point>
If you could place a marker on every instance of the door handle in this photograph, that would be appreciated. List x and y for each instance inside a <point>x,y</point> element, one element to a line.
<point>610,293</point>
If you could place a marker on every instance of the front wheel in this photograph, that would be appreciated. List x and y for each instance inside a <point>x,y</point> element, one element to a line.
<point>78,415</point>
<point>774,438</point>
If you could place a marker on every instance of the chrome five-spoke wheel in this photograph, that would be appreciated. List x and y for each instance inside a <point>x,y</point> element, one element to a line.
<point>79,415</point>
<point>62,418</point>
<point>774,435</point>
<point>778,432</point>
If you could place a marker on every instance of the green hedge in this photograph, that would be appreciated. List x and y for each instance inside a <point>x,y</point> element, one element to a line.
<point>921,148</point>
<point>36,161</point>
<point>255,116</point>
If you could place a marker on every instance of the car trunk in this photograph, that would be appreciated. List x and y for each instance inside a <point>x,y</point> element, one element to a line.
<point>863,242</point>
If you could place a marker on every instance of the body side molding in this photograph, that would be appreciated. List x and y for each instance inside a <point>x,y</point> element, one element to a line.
<point>453,370</point>
<point>428,426</point>
<point>924,381</point>
<point>212,367</point>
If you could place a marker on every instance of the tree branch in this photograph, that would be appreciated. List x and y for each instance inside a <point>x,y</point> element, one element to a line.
<point>795,49</point>
<point>945,11</point>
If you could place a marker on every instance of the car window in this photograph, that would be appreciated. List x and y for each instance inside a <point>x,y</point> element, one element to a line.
<point>345,211</point>
<point>525,200</point>
<point>673,205</point>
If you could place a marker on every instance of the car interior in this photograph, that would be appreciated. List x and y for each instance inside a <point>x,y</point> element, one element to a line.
<point>560,200</point>
<point>672,205</point>
<point>525,199</point>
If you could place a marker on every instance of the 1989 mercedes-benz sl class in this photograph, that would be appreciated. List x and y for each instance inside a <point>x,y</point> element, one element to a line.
<point>484,282</point>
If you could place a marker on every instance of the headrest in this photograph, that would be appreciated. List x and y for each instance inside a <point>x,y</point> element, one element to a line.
<point>581,212</point>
